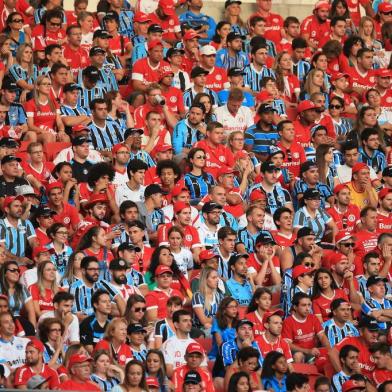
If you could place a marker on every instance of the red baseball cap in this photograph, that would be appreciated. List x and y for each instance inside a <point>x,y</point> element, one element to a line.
<point>206,254</point>
<point>190,34</point>
<point>359,166</point>
<point>384,192</point>
<point>10,199</point>
<point>165,72</point>
<point>194,348</point>
<point>264,95</point>
<point>339,75</point>
<point>322,4</point>
<point>96,198</point>
<point>305,105</point>
<point>153,43</point>
<point>383,73</point>
<point>339,187</point>
<point>301,270</point>
<point>385,7</point>
<point>162,269</point>
<point>257,194</point>
<point>152,382</point>
<point>349,385</point>
<point>36,344</point>
<point>117,147</point>
<point>179,206</point>
<point>178,189</point>
<point>225,170</point>
<point>78,358</point>
<point>342,236</point>
<point>167,7</point>
<point>267,315</point>
<point>141,17</point>
<point>79,128</point>
<point>38,250</point>
<point>337,258</point>
<point>54,185</point>
<point>164,147</point>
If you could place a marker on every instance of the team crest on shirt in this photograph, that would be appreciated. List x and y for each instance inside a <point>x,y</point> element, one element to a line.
<point>336,67</point>
<point>123,358</point>
<point>222,159</point>
<point>171,22</point>
<point>295,155</point>
<point>372,79</point>
<point>389,99</point>
<point>275,20</point>
<point>188,237</point>
<point>313,34</point>
<point>66,220</point>
<point>19,346</point>
<point>218,77</point>
<point>173,99</point>
<point>351,218</point>
<point>299,332</point>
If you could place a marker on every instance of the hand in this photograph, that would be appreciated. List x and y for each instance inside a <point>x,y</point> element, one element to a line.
<point>71,183</point>
<point>315,352</point>
<point>376,314</point>
<point>202,127</point>
<point>23,96</point>
<point>247,342</point>
<point>101,185</point>
<point>386,251</point>
<point>348,275</point>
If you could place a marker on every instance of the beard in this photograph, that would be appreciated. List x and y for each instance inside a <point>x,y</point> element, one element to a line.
<point>120,279</point>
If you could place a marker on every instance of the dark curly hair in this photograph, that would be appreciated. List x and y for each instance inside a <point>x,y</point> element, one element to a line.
<point>99,170</point>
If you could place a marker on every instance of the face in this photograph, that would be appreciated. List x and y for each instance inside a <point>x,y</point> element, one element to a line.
<point>275,325</point>
<point>351,157</point>
<point>265,5</point>
<point>335,108</point>
<point>369,336</point>
<point>271,177</point>
<point>54,332</point>
<point>194,360</point>
<point>213,280</point>
<point>213,217</point>
<point>32,355</point>
<point>318,80</point>
<point>164,280</point>
<point>64,307</point>
<point>3,305</point>
<point>104,304</point>
<point>216,135</point>
<point>322,13</point>
<point>370,220</point>
<point>281,365</point>
<point>15,209</point>
<point>92,272</point>
<point>49,272</point>
<point>168,177</point>
<point>184,324</point>
<point>61,235</point>
<point>260,57</point>
<point>381,360</point>
<point>100,111</point>
<point>195,116</point>
<point>373,142</point>
<point>343,312</point>
<point>322,63</point>
<point>7,325</point>
<point>100,237</point>
<point>304,307</point>
<point>340,28</point>
<point>219,195</point>
<point>165,258</point>
<point>324,281</point>
<point>228,243</point>
<point>249,365</point>
<point>342,267</point>
<point>311,176</point>
<point>185,216</point>
<point>366,60</point>
<point>137,338</point>
<point>135,234</point>
<point>231,309</point>
<point>27,55</point>
<point>377,290</point>
<point>102,363</point>
<point>243,385</point>
<point>156,54</point>
<point>286,221</point>
<point>82,371</point>
<point>383,82</point>
<point>11,169</point>
<point>293,30</point>
<point>226,181</point>
<point>53,24</point>
<point>240,267</point>
<point>245,332</point>
<point>138,309</point>
<point>199,159</point>
<point>309,115</point>
<point>153,363</point>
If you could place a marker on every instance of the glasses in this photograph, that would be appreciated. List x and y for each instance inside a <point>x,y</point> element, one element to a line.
<point>309,265</point>
<point>55,330</point>
<point>335,106</point>
<point>137,310</point>
<point>16,270</point>
<point>17,21</point>
<point>349,245</point>
<point>200,157</point>
<point>55,24</point>
<point>238,139</point>
<point>62,232</point>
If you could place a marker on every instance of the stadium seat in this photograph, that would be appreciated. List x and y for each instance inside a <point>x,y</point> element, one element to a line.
<point>52,149</point>
<point>310,370</point>
<point>206,343</point>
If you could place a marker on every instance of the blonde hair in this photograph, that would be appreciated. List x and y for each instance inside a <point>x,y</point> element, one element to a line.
<point>203,288</point>
<point>309,86</point>
<point>36,93</point>
<point>40,281</point>
<point>112,326</point>
<point>362,23</point>
<point>18,58</point>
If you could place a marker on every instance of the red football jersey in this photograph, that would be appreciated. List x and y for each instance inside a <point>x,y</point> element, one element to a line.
<point>361,80</point>
<point>346,221</point>
<point>322,304</point>
<point>216,79</point>
<point>365,242</point>
<point>280,346</point>
<point>76,59</point>
<point>257,320</point>
<point>384,223</point>
<point>123,353</point>
<point>317,31</point>
<point>282,240</point>
<point>254,265</point>
<point>191,238</point>
<point>157,299</point>
<point>144,72</point>
<point>24,373</point>
<point>273,26</point>
<point>295,155</point>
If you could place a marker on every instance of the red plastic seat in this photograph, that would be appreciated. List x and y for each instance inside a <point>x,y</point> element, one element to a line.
<point>52,149</point>
<point>206,343</point>
<point>310,370</point>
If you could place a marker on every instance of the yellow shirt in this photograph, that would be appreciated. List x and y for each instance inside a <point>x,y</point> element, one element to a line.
<point>361,199</point>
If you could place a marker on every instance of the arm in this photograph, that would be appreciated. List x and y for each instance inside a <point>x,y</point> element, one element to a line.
<point>70,121</point>
<point>286,259</point>
<point>170,117</point>
<point>334,358</point>
<point>31,312</point>
<point>120,304</point>
<point>206,321</point>
<point>324,340</point>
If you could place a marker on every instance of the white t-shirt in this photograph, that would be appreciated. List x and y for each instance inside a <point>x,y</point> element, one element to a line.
<point>72,332</point>
<point>124,192</point>
<point>120,178</point>
<point>13,352</point>
<point>184,260</point>
<point>344,173</point>
<point>241,122</point>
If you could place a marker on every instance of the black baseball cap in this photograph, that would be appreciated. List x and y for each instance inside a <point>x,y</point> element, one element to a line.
<point>198,71</point>
<point>274,150</point>
<point>152,189</point>
<point>311,193</point>
<point>374,280</point>
<point>232,36</point>
<point>173,51</point>
<point>368,323</point>
<point>131,131</point>
<point>92,73</point>
<point>265,238</point>
<point>8,142</point>
<point>236,71</point>
<point>230,2</point>
<point>79,140</point>
<point>234,258</point>
<point>111,15</point>
<point>154,28</point>
<point>44,211</point>
<point>304,232</point>
<point>132,328</point>
<point>265,108</point>
<point>102,34</point>
<point>128,246</point>
<point>118,264</point>
<point>192,377</point>
<point>268,167</point>
<point>71,87</point>
<point>305,166</point>
<point>9,85</point>
<point>96,50</point>
<point>243,322</point>
<point>210,206</point>
<point>10,158</point>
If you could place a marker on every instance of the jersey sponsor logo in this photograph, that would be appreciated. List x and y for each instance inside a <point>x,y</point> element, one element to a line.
<point>299,332</point>
<point>351,218</point>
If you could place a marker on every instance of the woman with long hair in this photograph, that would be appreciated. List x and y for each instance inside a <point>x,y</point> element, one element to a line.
<point>340,8</point>
<point>232,14</point>
<point>259,304</point>
<point>351,47</point>
<point>222,30</point>
<point>156,367</point>
<point>239,382</point>
<point>93,243</point>
<point>288,83</point>
<point>245,169</point>
<point>205,302</point>
<point>325,164</point>
<point>45,289</point>
<point>105,374</point>
<point>23,72</point>
<point>59,248</point>
<point>182,255</point>
<point>367,31</point>
<point>223,325</point>
<point>324,292</point>
<point>134,379</point>
<point>135,312</point>
<point>314,83</point>
<point>51,332</point>
<point>6,56</point>
<point>205,99</point>
<point>118,110</point>
<point>43,114</point>
<point>114,342</point>
<point>13,30</point>
<point>342,125</point>
<point>19,297</point>
<point>384,117</point>
<point>274,373</point>
<point>197,180</point>
<point>63,173</point>
<point>73,272</point>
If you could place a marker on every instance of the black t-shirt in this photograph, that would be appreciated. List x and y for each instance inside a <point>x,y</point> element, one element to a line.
<point>91,332</point>
<point>9,188</point>
<point>80,170</point>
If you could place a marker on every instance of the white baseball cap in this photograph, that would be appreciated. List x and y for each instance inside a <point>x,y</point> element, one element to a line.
<point>207,50</point>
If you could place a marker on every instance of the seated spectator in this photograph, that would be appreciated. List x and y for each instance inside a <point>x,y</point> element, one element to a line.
<point>105,374</point>
<point>275,371</point>
<point>348,358</point>
<point>259,305</point>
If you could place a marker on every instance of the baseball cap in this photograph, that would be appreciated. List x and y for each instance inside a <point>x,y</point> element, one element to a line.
<point>304,232</point>
<point>118,147</point>
<point>78,358</point>
<point>10,199</point>
<point>267,315</point>
<point>9,158</point>
<point>71,87</point>
<point>385,7</point>
<point>96,50</point>
<point>207,50</point>
<point>10,85</point>
<point>192,378</point>
<point>92,73</point>
<point>307,166</point>
<point>235,71</point>
<point>265,108</point>
<point>79,140</point>
<point>179,206</point>
<point>162,269</point>
<point>8,142</point>
<point>36,344</point>
<point>322,4</point>
<point>383,73</point>
<point>274,150</point>
<point>131,131</point>
<point>339,75</point>
<point>194,348</point>
<point>257,194</point>
<point>234,258</point>
<point>128,246</point>
<point>374,280</point>
<point>225,170</point>
<point>243,322</point>
<point>305,105</point>
<point>80,128</point>
<point>384,192</point>
<point>301,270</point>
<point>152,189</point>
<point>190,34</point>
<point>25,190</point>
<point>36,381</point>
<point>336,258</point>
<point>118,265</point>
<point>165,72</point>
<point>154,28</point>
<point>111,15</point>
<point>141,17</point>
<point>101,34</point>
<point>153,43</point>
<point>349,385</point>
<point>178,189</point>
<point>173,51</point>
<point>210,206</point>
<point>368,323</point>
<point>264,238</point>
<point>54,185</point>
<point>44,210</point>
<point>311,193</point>
<point>152,382</point>
<point>230,2</point>
<point>198,71</point>
<point>342,236</point>
<point>206,254</point>
<point>164,147</point>
<point>358,167</point>
<point>132,328</point>
<point>339,188</point>
<point>268,167</point>
<point>232,36</point>
<point>96,198</point>
<point>38,250</point>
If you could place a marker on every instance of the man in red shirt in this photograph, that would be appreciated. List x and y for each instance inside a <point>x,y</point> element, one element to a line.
<point>303,331</point>
<point>344,213</point>
<point>191,55</point>
<point>384,212</point>
<point>35,366</point>
<point>294,153</point>
<point>234,199</point>
<point>382,357</point>
<point>271,339</point>
<point>79,374</point>
<point>172,95</point>
<point>303,124</point>
<point>383,86</point>
<point>218,156</point>
<point>77,57</point>
<point>315,28</point>
<point>368,336</point>
<point>216,80</point>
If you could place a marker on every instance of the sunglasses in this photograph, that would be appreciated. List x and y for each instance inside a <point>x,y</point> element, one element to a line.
<point>335,106</point>
<point>387,13</point>
<point>349,244</point>
<point>55,24</point>
<point>309,265</point>
<point>200,157</point>
<point>137,310</point>
<point>17,270</point>
<point>17,21</point>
